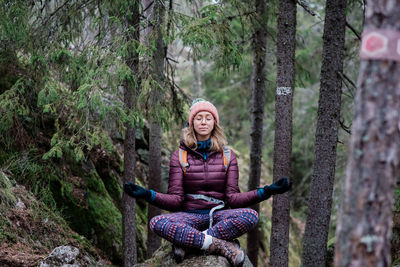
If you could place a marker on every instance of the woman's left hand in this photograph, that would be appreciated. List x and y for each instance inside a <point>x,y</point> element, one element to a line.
<point>279,187</point>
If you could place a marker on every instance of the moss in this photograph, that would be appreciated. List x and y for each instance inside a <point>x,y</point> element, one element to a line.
<point>106,219</point>
<point>89,203</point>
<point>98,220</point>
<point>84,242</point>
<point>67,192</point>
<point>7,198</point>
<point>111,183</point>
<point>141,230</point>
<point>6,231</point>
<point>94,183</point>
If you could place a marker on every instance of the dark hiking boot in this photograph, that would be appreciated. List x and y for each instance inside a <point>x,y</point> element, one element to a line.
<point>229,250</point>
<point>179,253</point>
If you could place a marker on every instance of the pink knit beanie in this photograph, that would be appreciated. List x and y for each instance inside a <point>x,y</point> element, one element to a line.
<point>200,104</point>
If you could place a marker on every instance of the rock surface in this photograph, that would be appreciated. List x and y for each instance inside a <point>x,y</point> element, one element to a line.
<point>163,257</point>
<point>60,256</point>
<point>69,256</point>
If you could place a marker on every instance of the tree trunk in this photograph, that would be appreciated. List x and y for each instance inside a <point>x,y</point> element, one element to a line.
<point>129,203</point>
<point>365,223</point>
<point>153,240</point>
<point>320,201</point>
<point>195,8</point>
<point>257,115</point>
<point>196,78</point>
<point>279,245</point>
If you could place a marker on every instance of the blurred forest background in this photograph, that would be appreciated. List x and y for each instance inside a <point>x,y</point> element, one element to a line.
<point>64,66</point>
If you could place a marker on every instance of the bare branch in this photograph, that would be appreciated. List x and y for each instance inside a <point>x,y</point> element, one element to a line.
<point>344,127</point>
<point>344,79</point>
<point>152,2</point>
<point>304,4</point>
<point>353,30</point>
<point>171,59</point>
<point>350,81</point>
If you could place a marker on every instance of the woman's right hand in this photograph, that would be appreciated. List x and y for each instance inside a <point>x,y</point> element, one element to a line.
<point>137,191</point>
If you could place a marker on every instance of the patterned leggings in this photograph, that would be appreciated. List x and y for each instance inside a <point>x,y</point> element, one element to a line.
<point>184,228</point>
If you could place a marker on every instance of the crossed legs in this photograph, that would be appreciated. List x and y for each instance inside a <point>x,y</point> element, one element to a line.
<point>185,229</point>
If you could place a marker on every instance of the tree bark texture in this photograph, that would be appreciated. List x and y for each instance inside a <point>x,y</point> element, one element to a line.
<point>196,78</point>
<point>279,244</point>
<point>153,240</point>
<point>195,8</point>
<point>129,203</point>
<point>257,115</point>
<point>320,200</point>
<point>365,223</point>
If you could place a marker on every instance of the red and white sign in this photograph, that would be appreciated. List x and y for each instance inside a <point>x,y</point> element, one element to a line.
<point>374,43</point>
<point>380,44</point>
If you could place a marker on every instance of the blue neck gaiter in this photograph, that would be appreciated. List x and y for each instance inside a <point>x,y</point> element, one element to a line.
<point>203,147</point>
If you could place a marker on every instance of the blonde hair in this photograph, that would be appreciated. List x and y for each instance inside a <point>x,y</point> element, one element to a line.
<point>218,138</point>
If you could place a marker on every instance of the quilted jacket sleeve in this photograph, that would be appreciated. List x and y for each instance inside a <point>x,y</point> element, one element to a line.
<point>234,198</point>
<point>172,201</point>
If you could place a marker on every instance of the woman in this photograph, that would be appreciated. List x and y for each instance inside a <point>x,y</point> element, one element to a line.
<point>203,191</point>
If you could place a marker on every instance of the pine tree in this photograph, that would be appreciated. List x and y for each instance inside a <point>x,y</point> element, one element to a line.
<point>130,97</point>
<point>320,200</point>
<point>157,71</point>
<point>196,6</point>
<point>257,116</point>
<point>286,43</point>
<point>365,221</point>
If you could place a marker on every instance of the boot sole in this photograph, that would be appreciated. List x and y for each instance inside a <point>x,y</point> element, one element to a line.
<point>240,259</point>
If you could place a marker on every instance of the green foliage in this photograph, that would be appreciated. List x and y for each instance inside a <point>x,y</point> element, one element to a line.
<point>213,34</point>
<point>7,198</point>
<point>61,56</point>
<point>13,104</point>
<point>14,18</point>
<point>35,174</point>
<point>48,97</point>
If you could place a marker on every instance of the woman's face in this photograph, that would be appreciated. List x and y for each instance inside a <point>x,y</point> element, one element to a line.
<point>203,124</point>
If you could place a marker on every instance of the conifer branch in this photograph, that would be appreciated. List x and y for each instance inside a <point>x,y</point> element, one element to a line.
<point>230,18</point>
<point>240,15</point>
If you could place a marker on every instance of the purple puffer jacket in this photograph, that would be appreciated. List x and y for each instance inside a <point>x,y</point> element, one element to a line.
<point>206,177</point>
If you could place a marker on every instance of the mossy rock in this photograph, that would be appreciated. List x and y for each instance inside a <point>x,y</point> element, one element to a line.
<point>95,216</point>
<point>30,229</point>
